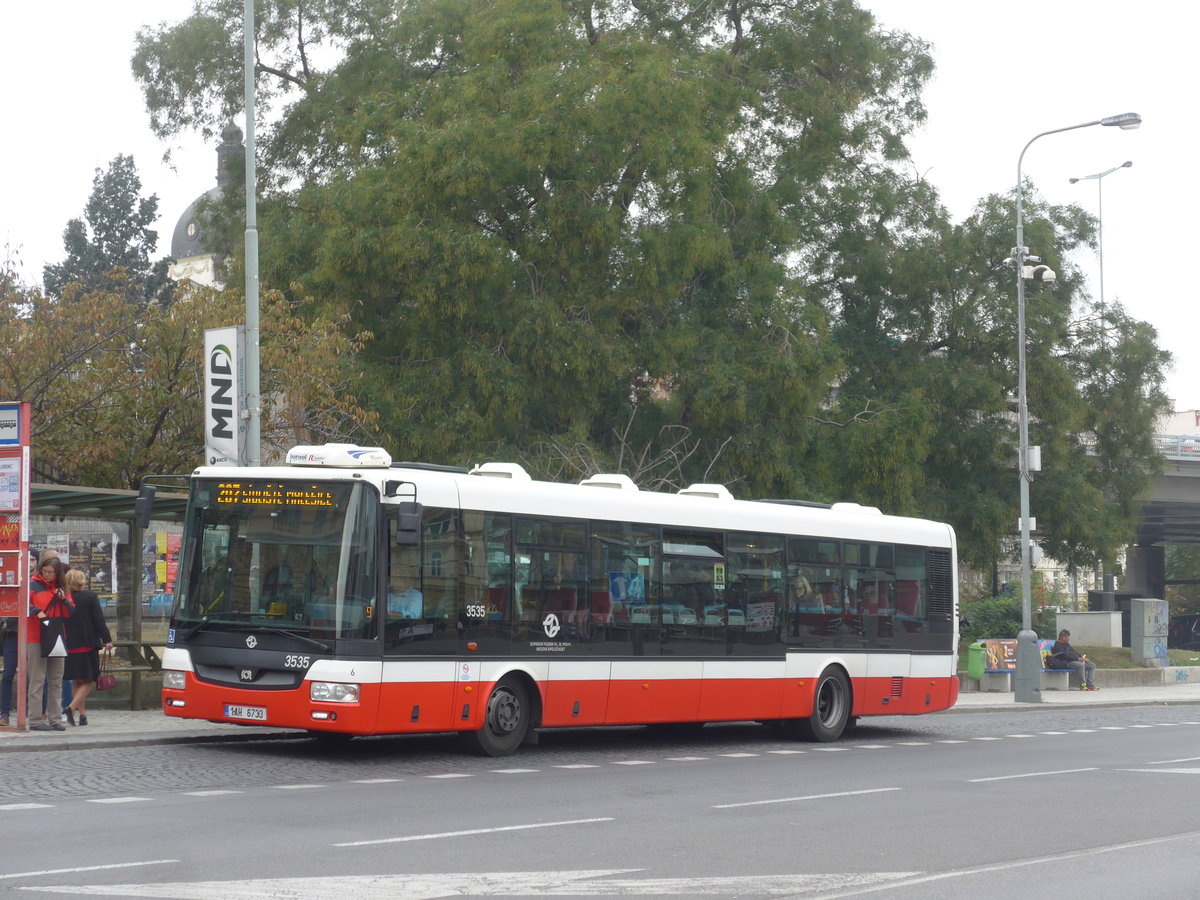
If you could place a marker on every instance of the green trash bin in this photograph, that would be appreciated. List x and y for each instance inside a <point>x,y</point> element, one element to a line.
<point>976,659</point>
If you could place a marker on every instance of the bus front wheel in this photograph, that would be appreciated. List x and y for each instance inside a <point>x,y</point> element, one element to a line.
<point>505,721</point>
<point>831,708</point>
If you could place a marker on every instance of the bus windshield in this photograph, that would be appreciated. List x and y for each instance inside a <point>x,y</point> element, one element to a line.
<point>295,555</point>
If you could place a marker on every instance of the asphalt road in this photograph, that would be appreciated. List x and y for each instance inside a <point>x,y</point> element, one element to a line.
<point>987,804</point>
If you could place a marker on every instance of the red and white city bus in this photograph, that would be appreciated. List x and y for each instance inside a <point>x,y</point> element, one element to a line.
<point>345,594</point>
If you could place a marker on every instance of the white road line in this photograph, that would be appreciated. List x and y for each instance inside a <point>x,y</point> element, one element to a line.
<point>951,742</point>
<point>471,832</point>
<point>831,749</point>
<point>913,743</point>
<point>451,775</point>
<point>1112,727</point>
<point>987,739</point>
<point>739,755</point>
<point>375,780</point>
<point>871,746</point>
<point>1168,771</point>
<point>785,752</point>
<point>634,762</point>
<point>1015,864</point>
<point>1171,762</point>
<point>209,793</point>
<point>1141,726</point>
<point>1031,775</point>
<point>578,766</point>
<point>513,771</point>
<point>297,787</point>
<point>578,883</point>
<point>16,806</point>
<point>1019,735</point>
<point>1093,730</point>
<point>128,865</point>
<point>808,797</point>
<point>686,758</point>
<point>120,800</point>
<point>1053,732</point>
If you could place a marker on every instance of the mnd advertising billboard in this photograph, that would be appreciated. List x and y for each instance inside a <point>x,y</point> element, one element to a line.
<point>224,396</point>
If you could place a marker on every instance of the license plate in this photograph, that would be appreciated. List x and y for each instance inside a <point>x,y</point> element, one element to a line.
<point>254,713</point>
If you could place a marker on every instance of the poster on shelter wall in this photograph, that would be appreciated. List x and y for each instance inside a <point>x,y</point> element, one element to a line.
<point>160,561</point>
<point>92,552</point>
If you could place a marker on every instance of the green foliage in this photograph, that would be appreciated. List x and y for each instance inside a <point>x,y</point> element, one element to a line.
<point>568,223</point>
<point>675,240</point>
<point>1183,564</point>
<point>116,388</point>
<point>111,249</point>
<point>1000,617</point>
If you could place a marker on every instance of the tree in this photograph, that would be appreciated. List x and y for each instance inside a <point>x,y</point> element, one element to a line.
<point>110,247</point>
<point>671,239</point>
<point>116,388</point>
<point>1183,564</point>
<point>926,322</point>
<point>563,218</point>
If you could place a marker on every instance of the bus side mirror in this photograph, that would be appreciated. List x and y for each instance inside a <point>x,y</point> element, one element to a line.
<point>408,524</point>
<point>143,507</point>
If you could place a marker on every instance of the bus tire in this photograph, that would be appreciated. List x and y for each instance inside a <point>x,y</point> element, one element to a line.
<point>831,708</point>
<point>505,721</point>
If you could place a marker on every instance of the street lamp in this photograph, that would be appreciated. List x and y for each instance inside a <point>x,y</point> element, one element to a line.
<point>1099,179</point>
<point>1027,682</point>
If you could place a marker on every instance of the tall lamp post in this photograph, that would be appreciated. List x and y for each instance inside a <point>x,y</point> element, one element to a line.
<point>1099,179</point>
<point>1027,683</point>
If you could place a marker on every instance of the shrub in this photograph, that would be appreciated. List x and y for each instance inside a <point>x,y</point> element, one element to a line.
<point>1000,617</point>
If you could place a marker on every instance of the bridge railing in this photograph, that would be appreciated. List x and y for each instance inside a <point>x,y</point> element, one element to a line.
<point>1178,446</point>
<point>1170,446</point>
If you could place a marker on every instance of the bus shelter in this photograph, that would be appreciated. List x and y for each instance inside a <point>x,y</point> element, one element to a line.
<point>88,523</point>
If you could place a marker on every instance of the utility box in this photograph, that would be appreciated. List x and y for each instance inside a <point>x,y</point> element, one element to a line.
<point>1149,621</point>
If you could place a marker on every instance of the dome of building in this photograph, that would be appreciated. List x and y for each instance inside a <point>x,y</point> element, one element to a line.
<point>192,244</point>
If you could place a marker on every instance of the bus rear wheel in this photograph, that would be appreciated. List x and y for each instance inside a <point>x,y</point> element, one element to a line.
<point>505,721</point>
<point>831,708</point>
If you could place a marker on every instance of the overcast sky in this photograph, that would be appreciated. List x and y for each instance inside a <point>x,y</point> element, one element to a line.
<point>1005,72</point>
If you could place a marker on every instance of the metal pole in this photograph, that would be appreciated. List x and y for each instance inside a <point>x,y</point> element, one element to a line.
<point>253,399</point>
<point>1027,682</point>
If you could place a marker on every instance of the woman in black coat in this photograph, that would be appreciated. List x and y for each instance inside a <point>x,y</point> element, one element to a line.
<point>86,633</point>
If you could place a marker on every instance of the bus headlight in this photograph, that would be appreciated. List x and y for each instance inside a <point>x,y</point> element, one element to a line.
<point>174,679</point>
<point>333,692</point>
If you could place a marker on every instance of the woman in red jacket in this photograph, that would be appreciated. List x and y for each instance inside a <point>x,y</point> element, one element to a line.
<point>48,599</point>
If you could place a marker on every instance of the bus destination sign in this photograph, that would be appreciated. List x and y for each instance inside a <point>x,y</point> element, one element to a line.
<point>277,494</point>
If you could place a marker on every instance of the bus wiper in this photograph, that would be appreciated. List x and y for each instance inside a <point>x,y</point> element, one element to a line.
<point>214,619</point>
<point>312,642</point>
<point>199,626</point>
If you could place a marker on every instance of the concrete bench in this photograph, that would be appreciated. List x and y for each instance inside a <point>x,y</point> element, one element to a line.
<point>999,676</point>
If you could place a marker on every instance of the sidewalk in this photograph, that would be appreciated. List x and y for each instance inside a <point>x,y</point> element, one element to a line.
<point>123,728</point>
<point>1147,695</point>
<point>108,728</point>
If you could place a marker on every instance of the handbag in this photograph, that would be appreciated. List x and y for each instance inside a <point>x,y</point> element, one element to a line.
<point>53,645</point>
<point>106,680</point>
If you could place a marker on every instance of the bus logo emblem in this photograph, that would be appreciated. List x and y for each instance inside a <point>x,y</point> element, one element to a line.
<point>247,675</point>
<point>550,625</point>
<point>251,641</point>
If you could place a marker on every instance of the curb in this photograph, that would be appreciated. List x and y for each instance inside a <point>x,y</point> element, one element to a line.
<point>1013,706</point>
<point>26,744</point>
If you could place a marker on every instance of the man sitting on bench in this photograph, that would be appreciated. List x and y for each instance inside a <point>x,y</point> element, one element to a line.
<point>1064,656</point>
